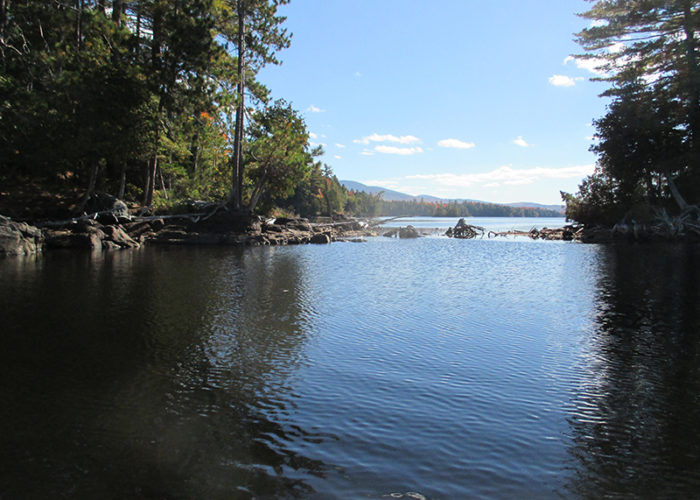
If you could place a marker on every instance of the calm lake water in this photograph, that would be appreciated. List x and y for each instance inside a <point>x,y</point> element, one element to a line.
<point>433,368</point>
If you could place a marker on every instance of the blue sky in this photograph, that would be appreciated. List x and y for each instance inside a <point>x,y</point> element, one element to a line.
<point>458,99</point>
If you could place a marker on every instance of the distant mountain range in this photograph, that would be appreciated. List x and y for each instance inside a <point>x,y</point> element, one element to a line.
<point>391,195</point>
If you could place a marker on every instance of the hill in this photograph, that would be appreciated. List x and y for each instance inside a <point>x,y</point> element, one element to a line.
<point>391,195</point>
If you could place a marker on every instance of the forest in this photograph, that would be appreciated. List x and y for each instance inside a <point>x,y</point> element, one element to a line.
<point>154,102</point>
<point>648,142</point>
<point>158,102</point>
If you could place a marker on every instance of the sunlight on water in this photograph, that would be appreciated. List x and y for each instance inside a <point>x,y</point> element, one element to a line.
<point>429,368</point>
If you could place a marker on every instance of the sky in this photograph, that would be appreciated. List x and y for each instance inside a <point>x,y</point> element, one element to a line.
<point>475,99</point>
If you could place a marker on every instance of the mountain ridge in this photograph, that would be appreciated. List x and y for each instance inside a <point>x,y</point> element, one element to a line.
<point>391,195</point>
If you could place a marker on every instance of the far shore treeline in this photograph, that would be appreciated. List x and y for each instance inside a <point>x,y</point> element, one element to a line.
<point>158,102</point>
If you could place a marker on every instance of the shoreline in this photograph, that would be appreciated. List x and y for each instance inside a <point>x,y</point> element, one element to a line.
<point>114,231</point>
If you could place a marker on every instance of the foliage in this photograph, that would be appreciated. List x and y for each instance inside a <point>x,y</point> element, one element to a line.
<point>649,140</point>
<point>138,98</point>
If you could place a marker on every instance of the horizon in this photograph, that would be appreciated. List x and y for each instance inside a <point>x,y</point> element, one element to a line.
<point>509,115</point>
<point>469,200</point>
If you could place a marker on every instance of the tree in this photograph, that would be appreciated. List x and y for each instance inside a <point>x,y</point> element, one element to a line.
<point>278,155</point>
<point>257,37</point>
<point>648,50</point>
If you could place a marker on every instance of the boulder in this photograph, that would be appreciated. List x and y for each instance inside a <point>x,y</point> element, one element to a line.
<point>62,238</point>
<point>409,232</point>
<point>19,238</point>
<point>110,209</point>
<point>320,238</point>
<point>299,224</point>
<point>117,235</point>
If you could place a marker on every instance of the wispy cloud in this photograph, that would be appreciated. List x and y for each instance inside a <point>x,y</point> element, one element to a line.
<point>367,152</point>
<point>315,109</point>
<point>404,139</point>
<point>313,136</point>
<point>393,150</point>
<point>564,81</point>
<point>358,74</point>
<point>337,157</point>
<point>455,143</point>
<point>338,145</point>
<point>506,175</point>
<point>521,142</point>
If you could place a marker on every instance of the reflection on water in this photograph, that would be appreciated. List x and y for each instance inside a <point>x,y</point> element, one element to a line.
<point>140,374</point>
<point>479,369</point>
<point>636,417</point>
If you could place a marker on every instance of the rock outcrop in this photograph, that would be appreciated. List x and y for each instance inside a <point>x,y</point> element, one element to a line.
<point>19,238</point>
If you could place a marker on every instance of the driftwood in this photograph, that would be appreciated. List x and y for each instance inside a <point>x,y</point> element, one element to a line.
<point>465,231</point>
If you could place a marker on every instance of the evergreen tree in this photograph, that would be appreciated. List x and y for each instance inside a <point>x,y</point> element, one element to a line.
<point>648,50</point>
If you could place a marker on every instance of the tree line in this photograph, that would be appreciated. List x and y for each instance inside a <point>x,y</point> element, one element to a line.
<point>648,142</point>
<point>150,100</point>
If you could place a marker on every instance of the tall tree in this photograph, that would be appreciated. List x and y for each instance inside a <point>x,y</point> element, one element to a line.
<point>649,51</point>
<point>257,36</point>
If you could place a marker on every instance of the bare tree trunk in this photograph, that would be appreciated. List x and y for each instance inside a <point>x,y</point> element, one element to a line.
<point>236,196</point>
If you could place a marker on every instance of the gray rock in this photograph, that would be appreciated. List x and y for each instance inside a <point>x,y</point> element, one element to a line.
<point>19,238</point>
<point>408,232</point>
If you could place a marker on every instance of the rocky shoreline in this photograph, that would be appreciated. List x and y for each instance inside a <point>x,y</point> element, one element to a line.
<point>116,229</point>
<point>113,231</point>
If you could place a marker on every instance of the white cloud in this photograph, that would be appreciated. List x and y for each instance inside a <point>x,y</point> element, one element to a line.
<point>341,146</point>
<point>367,152</point>
<point>404,139</point>
<point>564,81</point>
<point>313,136</point>
<point>521,142</point>
<point>338,157</point>
<point>506,175</point>
<point>315,109</point>
<point>592,64</point>
<point>393,150</point>
<point>455,143</point>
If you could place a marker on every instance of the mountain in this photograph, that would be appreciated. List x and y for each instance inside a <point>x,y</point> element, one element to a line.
<point>388,195</point>
<point>391,195</point>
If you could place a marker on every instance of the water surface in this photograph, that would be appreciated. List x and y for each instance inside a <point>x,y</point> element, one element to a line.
<point>446,368</point>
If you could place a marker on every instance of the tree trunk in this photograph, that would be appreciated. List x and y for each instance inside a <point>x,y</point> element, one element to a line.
<point>117,7</point>
<point>151,179</point>
<point>677,197</point>
<point>92,182</point>
<point>257,192</point>
<point>79,24</point>
<point>236,196</point>
<point>122,182</point>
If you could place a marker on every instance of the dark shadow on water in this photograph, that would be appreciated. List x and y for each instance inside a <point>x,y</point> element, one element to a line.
<point>160,373</point>
<point>635,421</point>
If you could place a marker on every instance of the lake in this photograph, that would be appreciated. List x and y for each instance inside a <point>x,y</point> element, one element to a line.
<point>428,368</point>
